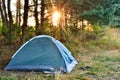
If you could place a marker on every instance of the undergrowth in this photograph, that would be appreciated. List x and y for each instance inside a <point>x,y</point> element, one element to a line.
<point>97,55</point>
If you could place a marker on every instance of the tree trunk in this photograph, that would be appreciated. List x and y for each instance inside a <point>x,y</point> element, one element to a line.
<point>25,17</point>
<point>4,11</point>
<point>4,18</point>
<point>42,14</point>
<point>2,14</point>
<point>18,20</point>
<point>36,17</point>
<point>10,21</point>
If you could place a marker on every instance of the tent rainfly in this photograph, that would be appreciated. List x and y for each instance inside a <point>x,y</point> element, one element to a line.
<point>42,53</point>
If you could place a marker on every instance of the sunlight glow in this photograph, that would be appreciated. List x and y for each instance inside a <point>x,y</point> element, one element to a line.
<point>56,18</point>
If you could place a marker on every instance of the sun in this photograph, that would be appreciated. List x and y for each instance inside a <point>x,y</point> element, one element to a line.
<point>56,18</point>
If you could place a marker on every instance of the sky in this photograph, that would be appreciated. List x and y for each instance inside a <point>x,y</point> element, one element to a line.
<point>31,21</point>
<point>13,4</point>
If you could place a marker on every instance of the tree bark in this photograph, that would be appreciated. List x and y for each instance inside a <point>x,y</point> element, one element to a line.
<point>18,13</point>
<point>1,12</point>
<point>4,18</point>
<point>42,13</point>
<point>4,11</point>
<point>36,17</point>
<point>10,21</point>
<point>25,17</point>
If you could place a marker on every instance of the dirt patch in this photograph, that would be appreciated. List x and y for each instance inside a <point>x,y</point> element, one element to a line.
<point>6,51</point>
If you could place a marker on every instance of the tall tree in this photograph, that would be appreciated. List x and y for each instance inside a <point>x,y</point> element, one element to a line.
<point>4,11</point>
<point>1,12</point>
<point>10,21</point>
<point>25,17</point>
<point>37,26</point>
<point>42,13</point>
<point>114,13</point>
<point>4,17</point>
<point>18,13</point>
<point>100,12</point>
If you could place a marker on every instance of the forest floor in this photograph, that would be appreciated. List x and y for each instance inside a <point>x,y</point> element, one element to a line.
<point>93,64</point>
<point>103,65</point>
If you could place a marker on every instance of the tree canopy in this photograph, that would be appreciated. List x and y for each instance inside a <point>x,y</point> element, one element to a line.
<point>39,13</point>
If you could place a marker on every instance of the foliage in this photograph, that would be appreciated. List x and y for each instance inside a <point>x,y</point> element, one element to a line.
<point>103,13</point>
<point>86,44</point>
<point>0,30</point>
<point>101,38</point>
<point>8,78</point>
<point>100,12</point>
<point>0,26</point>
<point>97,59</point>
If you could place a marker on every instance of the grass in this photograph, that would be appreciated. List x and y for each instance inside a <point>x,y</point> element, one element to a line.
<point>100,65</point>
<point>26,76</point>
<point>0,27</point>
<point>97,60</point>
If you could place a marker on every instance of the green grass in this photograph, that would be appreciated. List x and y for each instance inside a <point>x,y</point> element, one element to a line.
<point>97,60</point>
<point>99,65</point>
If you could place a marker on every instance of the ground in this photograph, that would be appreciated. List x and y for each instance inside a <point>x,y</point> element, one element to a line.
<point>94,63</point>
<point>103,65</point>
